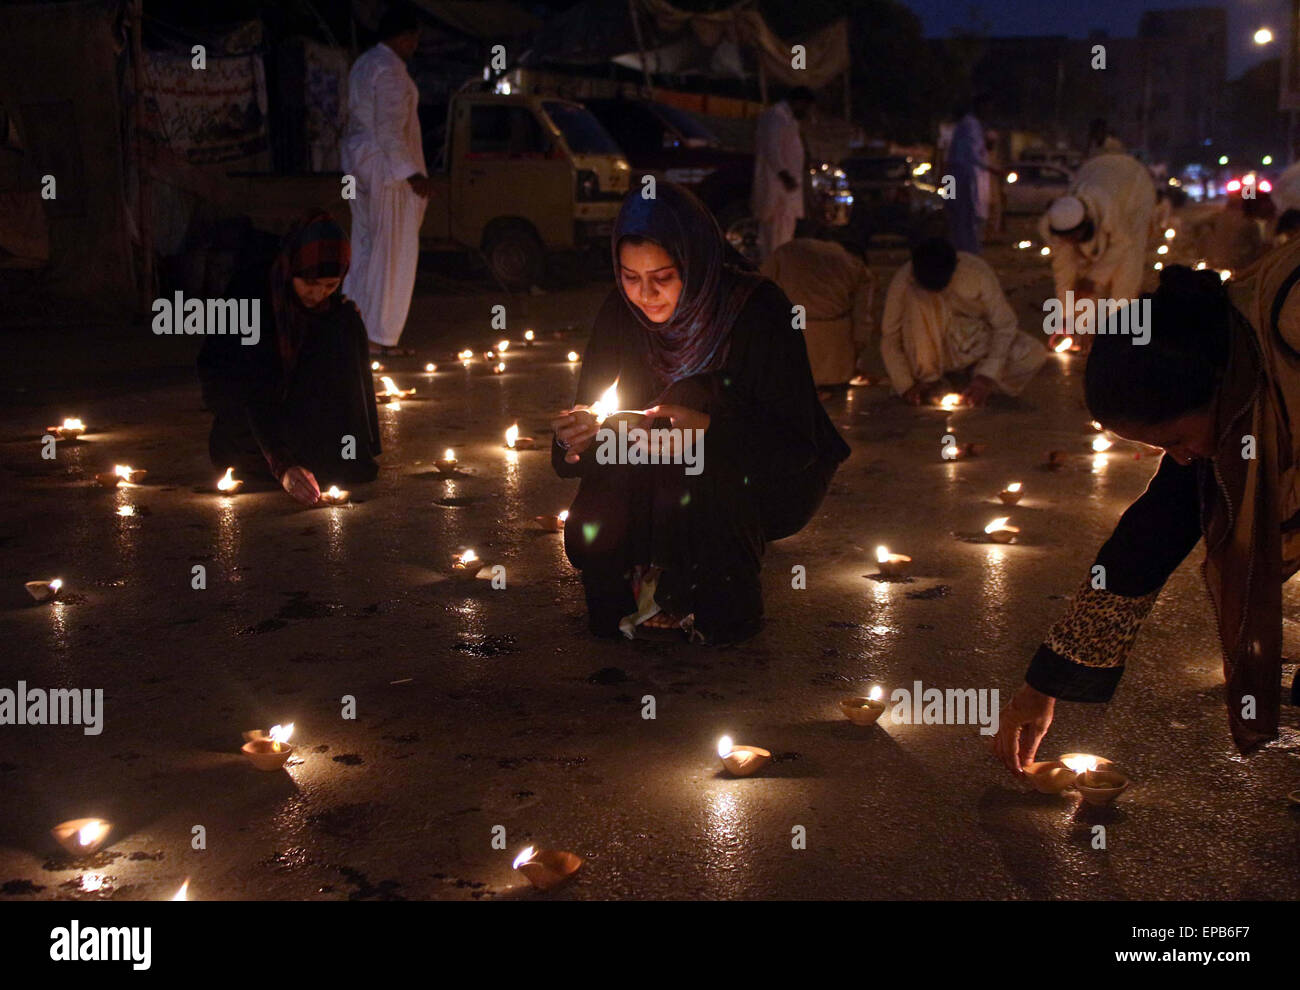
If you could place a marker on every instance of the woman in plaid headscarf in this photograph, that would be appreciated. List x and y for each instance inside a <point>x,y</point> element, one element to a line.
<point>291,402</point>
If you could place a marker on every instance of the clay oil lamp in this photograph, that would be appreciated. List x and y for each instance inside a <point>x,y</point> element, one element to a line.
<point>515,442</point>
<point>1012,493</point>
<point>81,836</point>
<point>553,524</point>
<point>465,566</point>
<point>1100,787</point>
<point>547,869</point>
<point>572,357</point>
<point>864,711</point>
<point>1063,345</point>
<point>69,430</point>
<point>44,591</point>
<point>121,473</point>
<point>1049,776</point>
<point>228,484</point>
<point>334,495</point>
<point>268,751</point>
<point>529,337</point>
<point>1000,532</point>
<point>892,565</point>
<point>503,346</point>
<point>447,463</point>
<point>499,368</point>
<point>391,392</point>
<point>741,761</point>
<point>950,401</point>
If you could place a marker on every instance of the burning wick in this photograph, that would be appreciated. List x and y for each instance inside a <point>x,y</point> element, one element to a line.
<point>546,868</point>
<point>499,368</point>
<point>228,483</point>
<point>1011,494</point>
<point>183,894</point>
<point>126,510</point>
<point>81,836</point>
<point>892,564</point>
<point>392,391</point>
<point>950,401</point>
<point>89,834</point>
<point>573,357</point>
<point>376,366</point>
<point>502,346</point>
<point>1000,532</point>
<point>430,367</point>
<point>1045,251</point>
<point>70,430</point>
<point>447,463</point>
<point>1022,245</point>
<point>465,355</point>
<point>1065,344</point>
<point>528,853</point>
<point>1080,762</point>
<point>334,495</point>
<point>279,735</point>
<point>1170,233</point>
<point>1100,444</point>
<point>606,404</point>
<point>529,336</point>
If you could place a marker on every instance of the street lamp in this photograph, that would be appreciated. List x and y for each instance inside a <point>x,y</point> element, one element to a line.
<point>1263,36</point>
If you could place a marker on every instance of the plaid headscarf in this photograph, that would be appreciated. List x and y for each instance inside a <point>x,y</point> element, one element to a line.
<point>697,336</point>
<point>315,247</point>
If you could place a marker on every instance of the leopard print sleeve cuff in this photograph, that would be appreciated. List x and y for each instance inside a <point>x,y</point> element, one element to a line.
<point>1083,656</point>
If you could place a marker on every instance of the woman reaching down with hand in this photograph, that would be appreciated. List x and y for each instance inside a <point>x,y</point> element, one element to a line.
<point>700,346</point>
<point>1218,388</point>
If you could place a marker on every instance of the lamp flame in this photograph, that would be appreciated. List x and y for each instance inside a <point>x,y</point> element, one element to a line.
<point>123,471</point>
<point>876,693</point>
<point>528,853</point>
<point>573,357</point>
<point>91,832</point>
<point>333,491</point>
<point>999,523</point>
<point>1065,344</point>
<point>512,435</point>
<point>183,894</point>
<point>73,424</point>
<point>227,481</point>
<point>56,584</point>
<point>449,455</point>
<point>882,554</point>
<point>950,401</point>
<point>1081,763</point>
<point>1014,486</point>
<point>724,747</point>
<point>1100,444</point>
<point>502,346</point>
<point>468,557</point>
<point>528,335</point>
<point>563,516</point>
<point>606,404</point>
<point>430,367</point>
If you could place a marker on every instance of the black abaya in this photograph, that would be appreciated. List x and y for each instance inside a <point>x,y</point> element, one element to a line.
<point>768,457</point>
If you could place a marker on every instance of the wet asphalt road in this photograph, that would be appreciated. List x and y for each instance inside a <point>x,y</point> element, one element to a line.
<point>497,719</point>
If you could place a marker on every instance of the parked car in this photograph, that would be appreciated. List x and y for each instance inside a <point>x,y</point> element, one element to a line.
<point>673,145</point>
<point>892,196</point>
<point>1030,187</point>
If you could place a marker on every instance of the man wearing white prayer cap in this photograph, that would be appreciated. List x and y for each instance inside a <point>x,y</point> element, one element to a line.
<point>1099,232</point>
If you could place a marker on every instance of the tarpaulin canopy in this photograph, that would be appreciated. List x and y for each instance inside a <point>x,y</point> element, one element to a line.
<point>683,42</point>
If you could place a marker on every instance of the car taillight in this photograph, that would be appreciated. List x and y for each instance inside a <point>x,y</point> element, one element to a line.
<point>1233,185</point>
<point>1265,185</point>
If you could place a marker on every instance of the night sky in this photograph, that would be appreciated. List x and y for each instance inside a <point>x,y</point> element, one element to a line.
<point>1118,17</point>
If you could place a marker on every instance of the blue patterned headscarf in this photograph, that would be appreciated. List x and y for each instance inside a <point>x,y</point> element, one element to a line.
<point>697,337</point>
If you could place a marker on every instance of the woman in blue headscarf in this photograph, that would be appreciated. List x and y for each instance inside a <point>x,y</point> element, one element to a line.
<point>702,346</point>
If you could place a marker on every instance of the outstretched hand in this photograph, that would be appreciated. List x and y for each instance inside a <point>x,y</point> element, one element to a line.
<point>1021,728</point>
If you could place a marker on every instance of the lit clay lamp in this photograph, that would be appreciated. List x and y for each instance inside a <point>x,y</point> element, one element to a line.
<point>515,442</point>
<point>465,357</point>
<point>430,368</point>
<point>119,474</point>
<point>1000,532</point>
<point>1011,494</point>
<point>44,591</point>
<point>466,566</point>
<point>1100,787</point>
<point>184,893</point>
<point>547,869</point>
<point>529,337</point>
<point>334,495</point>
<point>376,366</point>
<point>553,524</point>
<point>892,565</point>
<point>1063,346</point>
<point>268,752</point>
<point>741,761</point>
<point>499,368</point>
<point>1050,776</point>
<point>503,346</point>
<point>391,392</point>
<point>950,401</point>
<point>864,711</point>
<point>229,484</point>
<point>572,357</point>
<point>81,836</point>
<point>70,430</point>
<point>1101,444</point>
<point>447,463</point>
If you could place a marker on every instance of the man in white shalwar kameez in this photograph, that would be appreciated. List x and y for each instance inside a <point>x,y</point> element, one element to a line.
<point>777,198</point>
<point>382,149</point>
<point>1099,232</point>
<point>946,314</point>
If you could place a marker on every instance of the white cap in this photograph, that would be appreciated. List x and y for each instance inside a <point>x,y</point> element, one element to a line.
<point>1065,214</point>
